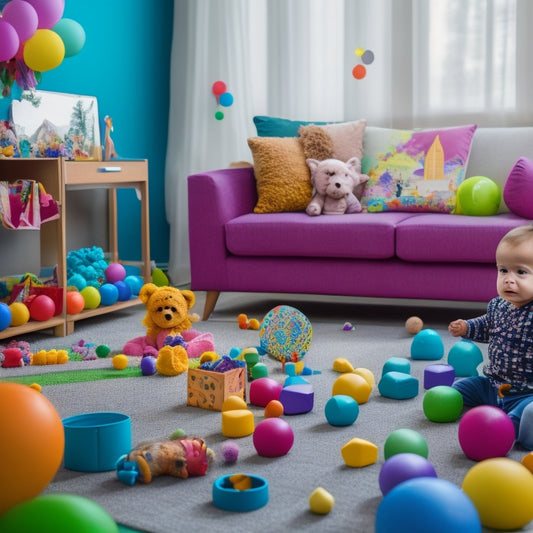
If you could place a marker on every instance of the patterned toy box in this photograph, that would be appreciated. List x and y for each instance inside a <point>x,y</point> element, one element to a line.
<point>209,390</point>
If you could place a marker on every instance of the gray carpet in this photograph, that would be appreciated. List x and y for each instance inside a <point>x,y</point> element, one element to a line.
<point>157,406</point>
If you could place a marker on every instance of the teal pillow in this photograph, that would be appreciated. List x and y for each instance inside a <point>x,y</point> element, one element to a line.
<point>280,127</point>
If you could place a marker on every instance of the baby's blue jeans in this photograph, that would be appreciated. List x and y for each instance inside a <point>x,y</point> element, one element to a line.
<point>478,390</point>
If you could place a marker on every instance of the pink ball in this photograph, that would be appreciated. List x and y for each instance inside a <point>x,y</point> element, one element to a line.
<point>115,272</point>
<point>9,41</point>
<point>230,451</point>
<point>42,308</point>
<point>48,11</point>
<point>486,431</point>
<point>262,390</point>
<point>273,437</point>
<point>22,16</point>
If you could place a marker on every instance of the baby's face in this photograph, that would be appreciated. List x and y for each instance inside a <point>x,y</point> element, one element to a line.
<point>515,272</point>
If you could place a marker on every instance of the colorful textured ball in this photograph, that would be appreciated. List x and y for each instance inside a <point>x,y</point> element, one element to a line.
<point>401,467</point>
<point>426,504</point>
<point>42,308</point>
<point>285,333</point>
<point>502,491</point>
<point>486,431</point>
<point>230,451</point>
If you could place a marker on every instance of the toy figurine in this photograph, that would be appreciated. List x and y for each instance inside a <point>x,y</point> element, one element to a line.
<point>109,145</point>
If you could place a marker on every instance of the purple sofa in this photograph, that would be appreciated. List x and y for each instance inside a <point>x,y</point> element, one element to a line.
<point>380,255</point>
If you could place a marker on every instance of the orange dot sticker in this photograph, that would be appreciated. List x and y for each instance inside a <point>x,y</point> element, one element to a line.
<point>359,72</point>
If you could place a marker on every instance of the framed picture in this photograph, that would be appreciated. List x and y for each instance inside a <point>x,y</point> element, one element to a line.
<point>50,124</point>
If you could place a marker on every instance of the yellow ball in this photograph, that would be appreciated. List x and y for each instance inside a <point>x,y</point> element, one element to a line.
<point>502,491</point>
<point>120,362</point>
<point>20,314</point>
<point>92,297</point>
<point>352,385</point>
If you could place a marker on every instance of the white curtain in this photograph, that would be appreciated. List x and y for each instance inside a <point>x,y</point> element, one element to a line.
<point>436,63</point>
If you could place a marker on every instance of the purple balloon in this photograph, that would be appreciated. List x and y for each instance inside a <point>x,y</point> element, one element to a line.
<point>9,41</point>
<point>22,16</point>
<point>48,11</point>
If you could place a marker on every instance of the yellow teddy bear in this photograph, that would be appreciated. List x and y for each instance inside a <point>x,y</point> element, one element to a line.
<point>169,334</point>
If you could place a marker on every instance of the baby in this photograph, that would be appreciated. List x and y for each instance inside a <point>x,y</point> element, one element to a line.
<point>508,328</point>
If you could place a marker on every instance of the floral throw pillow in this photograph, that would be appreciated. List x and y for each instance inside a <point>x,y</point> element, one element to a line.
<point>415,170</point>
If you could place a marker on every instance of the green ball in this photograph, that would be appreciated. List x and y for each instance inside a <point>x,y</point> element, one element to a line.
<point>103,350</point>
<point>479,196</point>
<point>57,513</point>
<point>405,441</point>
<point>442,404</point>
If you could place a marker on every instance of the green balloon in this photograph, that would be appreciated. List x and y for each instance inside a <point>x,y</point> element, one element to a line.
<point>57,513</point>
<point>405,441</point>
<point>442,404</point>
<point>72,34</point>
<point>478,196</point>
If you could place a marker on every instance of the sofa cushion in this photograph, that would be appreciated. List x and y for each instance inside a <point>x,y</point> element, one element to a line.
<point>518,190</point>
<point>281,174</point>
<point>333,141</point>
<point>415,170</point>
<point>360,235</point>
<point>437,237</point>
<point>279,127</point>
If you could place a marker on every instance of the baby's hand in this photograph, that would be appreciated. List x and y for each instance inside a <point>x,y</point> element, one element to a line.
<point>457,328</point>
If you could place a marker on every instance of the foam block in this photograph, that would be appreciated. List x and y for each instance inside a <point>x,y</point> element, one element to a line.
<point>438,374</point>
<point>396,364</point>
<point>398,385</point>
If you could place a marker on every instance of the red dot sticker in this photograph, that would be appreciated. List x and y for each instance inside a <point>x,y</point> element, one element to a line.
<point>359,72</point>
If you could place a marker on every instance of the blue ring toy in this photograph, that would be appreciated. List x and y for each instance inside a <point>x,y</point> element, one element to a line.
<point>230,499</point>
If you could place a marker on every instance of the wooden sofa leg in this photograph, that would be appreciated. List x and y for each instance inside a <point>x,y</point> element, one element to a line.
<point>211,298</point>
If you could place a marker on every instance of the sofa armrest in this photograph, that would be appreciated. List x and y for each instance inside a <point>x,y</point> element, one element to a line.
<point>214,198</point>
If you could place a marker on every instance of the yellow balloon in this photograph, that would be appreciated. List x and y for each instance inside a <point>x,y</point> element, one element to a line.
<point>44,51</point>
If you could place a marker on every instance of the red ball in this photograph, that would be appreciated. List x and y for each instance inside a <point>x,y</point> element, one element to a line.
<point>42,308</point>
<point>273,437</point>
<point>485,432</point>
<point>75,302</point>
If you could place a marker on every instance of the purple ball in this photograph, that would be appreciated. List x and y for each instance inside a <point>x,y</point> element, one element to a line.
<point>115,272</point>
<point>148,365</point>
<point>401,467</point>
<point>230,451</point>
<point>124,291</point>
<point>485,432</point>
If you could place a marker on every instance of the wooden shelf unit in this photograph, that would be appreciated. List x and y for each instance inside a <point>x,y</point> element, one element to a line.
<point>58,177</point>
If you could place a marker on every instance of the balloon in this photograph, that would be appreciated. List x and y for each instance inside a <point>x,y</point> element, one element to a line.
<point>72,34</point>
<point>9,41</point>
<point>48,11</point>
<point>44,51</point>
<point>22,16</point>
<point>226,99</point>
<point>219,87</point>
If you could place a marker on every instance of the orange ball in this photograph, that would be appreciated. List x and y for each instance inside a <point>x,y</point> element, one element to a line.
<point>273,409</point>
<point>75,302</point>
<point>32,444</point>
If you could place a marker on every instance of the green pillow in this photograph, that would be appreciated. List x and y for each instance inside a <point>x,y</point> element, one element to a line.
<point>279,127</point>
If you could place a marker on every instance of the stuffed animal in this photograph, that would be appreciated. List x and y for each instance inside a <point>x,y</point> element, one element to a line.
<point>169,336</point>
<point>181,457</point>
<point>334,183</point>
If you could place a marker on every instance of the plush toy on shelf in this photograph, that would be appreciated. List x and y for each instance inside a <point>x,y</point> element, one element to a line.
<point>179,457</point>
<point>169,334</point>
<point>334,183</point>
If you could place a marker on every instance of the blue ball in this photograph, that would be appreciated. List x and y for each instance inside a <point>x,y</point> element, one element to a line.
<point>341,410</point>
<point>5,316</point>
<point>148,365</point>
<point>135,283</point>
<point>427,504</point>
<point>427,344</point>
<point>108,294</point>
<point>124,291</point>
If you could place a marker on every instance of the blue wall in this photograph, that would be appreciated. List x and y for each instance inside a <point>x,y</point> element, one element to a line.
<point>125,63</point>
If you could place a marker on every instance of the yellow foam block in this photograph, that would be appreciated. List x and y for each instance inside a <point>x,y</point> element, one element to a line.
<point>352,385</point>
<point>237,423</point>
<point>233,402</point>
<point>359,452</point>
<point>366,374</point>
<point>342,365</point>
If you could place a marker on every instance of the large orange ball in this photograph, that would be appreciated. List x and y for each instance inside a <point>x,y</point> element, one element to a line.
<point>31,445</point>
<point>75,302</point>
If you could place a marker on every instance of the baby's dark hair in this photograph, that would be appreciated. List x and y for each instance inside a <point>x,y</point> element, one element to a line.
<point>518,235</point>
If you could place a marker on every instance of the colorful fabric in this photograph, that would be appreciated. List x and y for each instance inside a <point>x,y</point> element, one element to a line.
<point>415,171</point>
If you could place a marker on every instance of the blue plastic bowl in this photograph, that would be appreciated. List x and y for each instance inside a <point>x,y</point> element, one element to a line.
<point>95,441</point>
<point>230,499</point>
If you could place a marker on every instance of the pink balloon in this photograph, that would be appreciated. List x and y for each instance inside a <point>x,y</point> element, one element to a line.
<point>22,16</point>
<point>9,41</point>
<point>48,11</point>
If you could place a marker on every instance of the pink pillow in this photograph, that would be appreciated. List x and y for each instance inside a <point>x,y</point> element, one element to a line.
<point>518,188</point>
